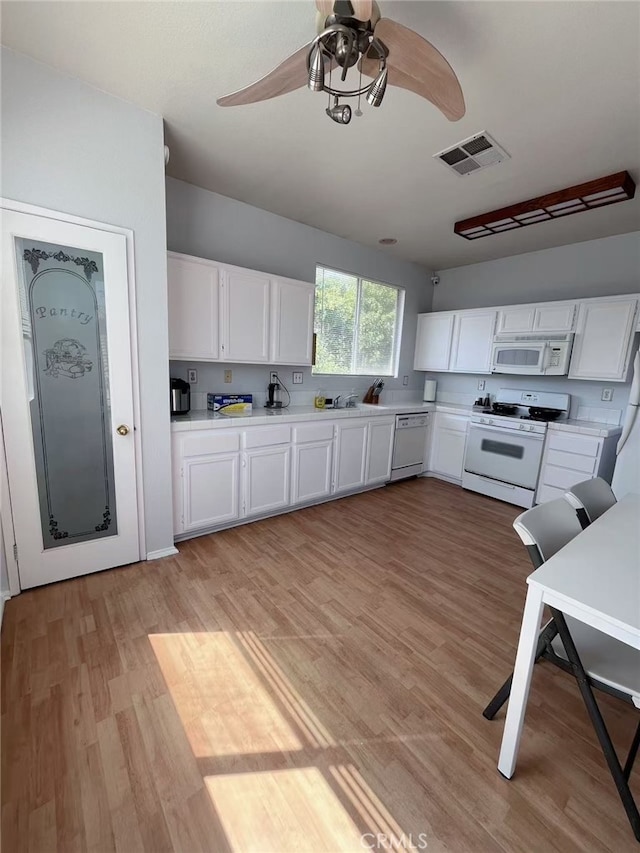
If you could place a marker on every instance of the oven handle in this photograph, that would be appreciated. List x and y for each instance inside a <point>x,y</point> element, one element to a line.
<point>533,435</point>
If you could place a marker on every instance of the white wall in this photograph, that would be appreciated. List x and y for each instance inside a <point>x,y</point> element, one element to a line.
<point>593,268</point>
<point>72,148</point>
<point>212,226</point>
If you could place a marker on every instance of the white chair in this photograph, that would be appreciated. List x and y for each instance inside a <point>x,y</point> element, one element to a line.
<point>593,658</point>
<point>590,499</point>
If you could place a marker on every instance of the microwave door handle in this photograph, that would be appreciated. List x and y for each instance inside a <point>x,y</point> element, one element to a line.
<point>546,358</point>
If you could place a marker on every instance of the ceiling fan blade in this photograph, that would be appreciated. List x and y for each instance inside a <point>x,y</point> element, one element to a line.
<point>290,75</point>
<point>361,10</point>
<point>416,65</point>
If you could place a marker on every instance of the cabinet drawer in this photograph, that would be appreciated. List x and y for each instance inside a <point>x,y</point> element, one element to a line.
<point>561,478</point>
<point>267,436</point>
<point>312,432</point>
<point>548,493</point>
<point>211,441</point>
<point>456,423</point>
<point>574,443</point>
<point>574,461</point>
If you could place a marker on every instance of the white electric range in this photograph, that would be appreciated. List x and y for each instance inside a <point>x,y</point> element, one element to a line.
<point>504,446</point>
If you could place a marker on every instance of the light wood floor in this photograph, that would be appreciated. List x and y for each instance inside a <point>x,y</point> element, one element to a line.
<point>294,684</point>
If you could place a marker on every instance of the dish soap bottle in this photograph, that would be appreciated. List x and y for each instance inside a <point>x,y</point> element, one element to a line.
<point>320,399</point>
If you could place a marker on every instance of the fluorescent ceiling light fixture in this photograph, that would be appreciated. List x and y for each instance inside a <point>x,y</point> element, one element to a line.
<point>608,190</point>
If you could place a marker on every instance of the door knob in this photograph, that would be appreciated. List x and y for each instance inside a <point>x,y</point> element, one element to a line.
<point>123,429</point>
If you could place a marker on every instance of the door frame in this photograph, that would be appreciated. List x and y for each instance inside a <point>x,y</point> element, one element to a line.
<point>6,516</point>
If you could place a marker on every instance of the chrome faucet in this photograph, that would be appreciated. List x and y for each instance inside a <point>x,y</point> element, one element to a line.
<point>351,401</point>
<point>336,401</point>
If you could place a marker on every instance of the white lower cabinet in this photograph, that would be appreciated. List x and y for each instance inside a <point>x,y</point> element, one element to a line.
<point>312,470</point>
<point>379,450</point>
<point>210,490</point>
<point>222,477</point>
<point>267,474</point>
<point>448,440</point>
<point>351,456</point>
<point>571,458</point>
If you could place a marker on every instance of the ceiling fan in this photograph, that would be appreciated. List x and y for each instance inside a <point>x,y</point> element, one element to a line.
<point>352,32</point>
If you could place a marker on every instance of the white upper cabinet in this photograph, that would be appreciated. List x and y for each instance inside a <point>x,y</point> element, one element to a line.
<point>555,317</point>
<point>515,320</point>
<point>604,339</point>
<point>543,317</point>
<point>292,304</point>
<point>472,339</point>
<point>194,307</point>
<point>245,315</point>
<point>433,341</point>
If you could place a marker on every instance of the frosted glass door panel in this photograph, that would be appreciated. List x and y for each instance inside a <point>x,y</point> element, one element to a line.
<point>66,348</point>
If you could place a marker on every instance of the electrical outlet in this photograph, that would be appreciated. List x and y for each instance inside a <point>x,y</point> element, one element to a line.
<point>296,377</point>
<point>228,376</point>
<point>273,376</point>
<point>481,384</point>
<point>405,380</point>
<point>607,395</point>
<point>192,376</point>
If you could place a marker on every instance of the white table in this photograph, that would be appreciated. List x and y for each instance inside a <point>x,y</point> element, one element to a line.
<point>595,578</point>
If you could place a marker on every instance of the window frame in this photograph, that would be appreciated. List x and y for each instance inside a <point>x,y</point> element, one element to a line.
<point>397,334</point>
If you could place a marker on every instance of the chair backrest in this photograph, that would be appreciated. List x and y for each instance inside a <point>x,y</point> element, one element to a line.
<point>546,528</point>
<point>590,499</point>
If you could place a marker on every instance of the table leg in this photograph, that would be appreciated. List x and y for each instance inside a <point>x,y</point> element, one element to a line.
<point>525,659</point>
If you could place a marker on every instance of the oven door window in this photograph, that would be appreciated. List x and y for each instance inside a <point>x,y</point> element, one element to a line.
<point>500,455</point>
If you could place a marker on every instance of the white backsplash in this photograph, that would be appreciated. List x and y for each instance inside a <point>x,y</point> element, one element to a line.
<point>586,403</point>
<point>253,379</point>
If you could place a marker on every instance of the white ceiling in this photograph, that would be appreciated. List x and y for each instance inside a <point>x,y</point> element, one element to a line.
<point>556,83</point>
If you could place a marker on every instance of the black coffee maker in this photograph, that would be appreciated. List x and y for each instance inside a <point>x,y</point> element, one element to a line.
<point>274,398</point>
<point>180,397</point>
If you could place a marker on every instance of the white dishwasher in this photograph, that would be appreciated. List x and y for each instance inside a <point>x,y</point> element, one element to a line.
<point>409,445</point>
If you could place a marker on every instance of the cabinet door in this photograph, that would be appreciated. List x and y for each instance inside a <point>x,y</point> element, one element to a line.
<point>379,450</point>
<point>266,480</point>
<point>210,490</point>
<point>292,304</point>
<point>603,341</point>
<point>433,341</point>
<point>312,468</point>
<point>519,318</point>
<point>245,301</point>
<point>350,461</point>
<point>194,308</point>
<point>555,317</point>
<point>448,444</point>
<point>472,340</point>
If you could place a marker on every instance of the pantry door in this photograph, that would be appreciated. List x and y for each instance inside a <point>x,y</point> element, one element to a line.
<point>66,395</point>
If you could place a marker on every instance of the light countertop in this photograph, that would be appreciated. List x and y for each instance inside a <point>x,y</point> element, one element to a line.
<point>595,428</point>
<point>203,419</point>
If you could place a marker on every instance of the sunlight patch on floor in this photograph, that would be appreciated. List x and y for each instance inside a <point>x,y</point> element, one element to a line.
<point>282,811</point>
<point>223,702</point>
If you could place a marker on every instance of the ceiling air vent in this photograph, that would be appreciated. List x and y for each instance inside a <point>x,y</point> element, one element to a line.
<point>473,154</point>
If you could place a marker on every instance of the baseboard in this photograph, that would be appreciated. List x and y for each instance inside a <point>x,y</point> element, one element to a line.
<point>163,552</point>
<point>4,596</point>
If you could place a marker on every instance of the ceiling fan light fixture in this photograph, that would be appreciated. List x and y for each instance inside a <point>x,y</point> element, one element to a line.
<point>316,70</point>
<point>340,113</point>
<point>378,88</point>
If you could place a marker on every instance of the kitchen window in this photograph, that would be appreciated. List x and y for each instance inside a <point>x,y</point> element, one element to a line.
<point>357,325</point>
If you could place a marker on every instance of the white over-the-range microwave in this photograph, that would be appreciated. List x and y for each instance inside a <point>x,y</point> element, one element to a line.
<point>532,355</point>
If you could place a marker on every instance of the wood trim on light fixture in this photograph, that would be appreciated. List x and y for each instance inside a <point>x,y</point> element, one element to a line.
<point>598,193</point>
